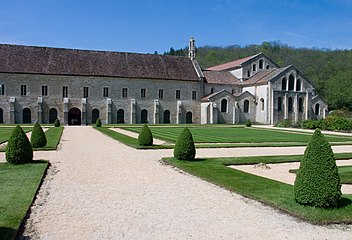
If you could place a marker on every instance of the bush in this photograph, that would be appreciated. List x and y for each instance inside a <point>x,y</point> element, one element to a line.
<point>248,123</point>
<point>286,123</point>
<point>317,182</point>
<point>184,147</point>
<point>19,149</point>
<point>57,123</point>
<point>38,138</point>
<point>145,137</point>
<point>98,123</point>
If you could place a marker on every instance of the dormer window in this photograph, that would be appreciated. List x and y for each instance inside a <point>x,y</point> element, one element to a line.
<point>248,74</point>
<point>261,63</point>
<point>254,67</point>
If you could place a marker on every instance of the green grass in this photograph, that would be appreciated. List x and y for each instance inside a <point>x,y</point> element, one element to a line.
<point>53,136</point>
<point>267,191</point>
<point>5,133</point>
<point>18,187</point>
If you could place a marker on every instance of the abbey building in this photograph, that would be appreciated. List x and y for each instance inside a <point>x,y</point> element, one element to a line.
<point>40,84</point>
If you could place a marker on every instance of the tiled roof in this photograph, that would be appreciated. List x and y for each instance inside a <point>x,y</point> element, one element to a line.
<point>220,77</point>
<point>231,65</point>
<point>264,76</point>
<point>59,61</point>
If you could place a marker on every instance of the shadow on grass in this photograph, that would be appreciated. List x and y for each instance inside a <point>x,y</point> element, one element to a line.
<point>7,233</point>
<point>344,202</point>
<point>198,160</point>
<point>38,161</point>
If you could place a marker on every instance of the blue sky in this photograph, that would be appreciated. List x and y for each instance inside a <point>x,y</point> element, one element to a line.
<point>156,25</point>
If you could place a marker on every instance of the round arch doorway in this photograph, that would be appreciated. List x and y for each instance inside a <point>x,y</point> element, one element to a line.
<point>74,116</point>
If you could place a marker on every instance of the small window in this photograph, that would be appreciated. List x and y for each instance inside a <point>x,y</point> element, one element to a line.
<point>279,104</point>
<point>291,83</point>
<point>267,66</point>
<point>2,89</point>
<point>178,94</point>
<point>298,85</point>
<point>224,105</point>
<point>105,92</point>
<point>248,74</point>
<point>65,91</point>
<point>300,105</point>
<point>284,84</point>
<point>317,109</point>
<point>161,93</point>
<point>124,92</point>
<point>254,67</point>
<point>246,106</point>
<point>211,90</point>
<point>44,90</point>
<point>143,91</point>
<point>194,95</point>
<point>233,91</point>
<point>261,64</point>
<point>85,92</point>
<point>262,104</point>
<point>23,90</point>
<point>290,104</point>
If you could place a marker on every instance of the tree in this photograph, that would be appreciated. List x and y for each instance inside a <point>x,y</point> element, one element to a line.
<point>19,149</point>
<point>38,138</point>
<point>57,123</point>
<point>317,182</point>
<point>184,147</point>
<point>98,123</point>
<point>145,137</point>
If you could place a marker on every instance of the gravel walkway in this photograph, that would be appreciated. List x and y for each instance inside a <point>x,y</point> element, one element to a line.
<point>97,188</point>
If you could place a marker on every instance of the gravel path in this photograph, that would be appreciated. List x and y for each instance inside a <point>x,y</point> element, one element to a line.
<point>97,188</point>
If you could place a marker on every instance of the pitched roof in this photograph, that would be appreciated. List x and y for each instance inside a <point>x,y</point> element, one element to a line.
<point>231,65</point>
<point>60,61</point>
<point>264,76</point>
<point>220,77</point>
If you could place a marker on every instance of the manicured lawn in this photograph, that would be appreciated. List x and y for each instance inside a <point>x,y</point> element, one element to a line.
<point>5,133</point>
<point>270,192</point>
<point>18,187</point>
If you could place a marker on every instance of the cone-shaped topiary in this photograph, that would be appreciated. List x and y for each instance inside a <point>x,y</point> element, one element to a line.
<point>19,149</point>
<point>57,123</point>
<point>98,123</point>
<point>317,182</point>
<point>145,137</point>
<point>38,138</point>
<point>248,123</point>
<point>184,147</point>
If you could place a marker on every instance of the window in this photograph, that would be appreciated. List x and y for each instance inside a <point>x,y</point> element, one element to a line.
<point>246,106</point>
<point>317,109</point>
<point>44,90</point>
<point>298,85</point>
<point>262,104</point>
<point>23,90</point>
<point>124,92</point>
<point>65,91</point>
<point>105,92</point>
<point>161,93</point>
<point>248,74</point>
<point>212,90</point>
<point>224,105</point>
<point>279,104</point>
<point>267,66</point>
<point>261,64</point>
<point>2,89</point>
<point>233,91</point>
<point>143,92</point>
<point>178,94</point>
<point>290,104</point>
<point>300,105</point>
<point>194,95</point>
<point>85,92</point>
<point>284,84</point>
<point>254,67</point>
<point>291,83</point>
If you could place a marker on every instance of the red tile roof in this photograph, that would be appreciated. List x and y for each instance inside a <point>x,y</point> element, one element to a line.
<point>231,65</point>
<point>220,77</point>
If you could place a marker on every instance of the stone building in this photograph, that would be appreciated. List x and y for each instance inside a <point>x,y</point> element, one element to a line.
<point>40,84</point>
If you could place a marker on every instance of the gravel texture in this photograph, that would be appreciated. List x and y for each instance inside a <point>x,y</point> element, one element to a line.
<point>97,188</point>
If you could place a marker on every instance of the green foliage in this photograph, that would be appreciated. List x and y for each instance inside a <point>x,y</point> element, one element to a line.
<point>248,123</point>
<point>38,138</point>
<point>98,123</point>
<point>57,123</point>
<point>19,149</point>
<point>284,123</point>
<point>317,182</point>
<point>145,137</point>
<point>331,123</point>
<point>184,147</point>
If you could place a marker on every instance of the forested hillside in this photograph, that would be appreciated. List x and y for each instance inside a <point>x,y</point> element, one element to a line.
<point>329,70</point>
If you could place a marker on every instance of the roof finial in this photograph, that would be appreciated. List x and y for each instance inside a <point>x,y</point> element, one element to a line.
<point>192,48</point>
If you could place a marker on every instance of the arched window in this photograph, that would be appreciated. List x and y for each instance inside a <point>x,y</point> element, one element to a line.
<point>284,84</point>
<point>144,116</point>
<point>300,105</point>
<point>261,63</point>
<point>290,104</point>
<point>262,104</point>
<point>211,90</point>
<point>166,116</point>
<point>189,117</point>
<point>291,83</point>
<point>254,67</point>
<point>248,74</point>
<point>52,115</point>
<point>298,85</point>
<point>95,115</point>
<point>267,66</point>
<point>120,116</point>
<point>224,105</point>
<point>317,109</point>
<point>26,116</point>
<point>246,106</point>
<point>279,104</point>
<point>1,116</point>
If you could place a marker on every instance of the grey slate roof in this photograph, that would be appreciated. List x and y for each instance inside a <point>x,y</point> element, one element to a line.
<point>60,61</point>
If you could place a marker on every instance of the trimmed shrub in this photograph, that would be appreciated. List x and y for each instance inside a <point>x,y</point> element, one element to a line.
<point>317,182</point>
<point>248,123</point>
<point>98,123</point>
<point>38,138</point>
<point>184,147</point>
<point>286,123</point>
<point>57,123</point>
<point>145,137</point>
<point>19,149</point>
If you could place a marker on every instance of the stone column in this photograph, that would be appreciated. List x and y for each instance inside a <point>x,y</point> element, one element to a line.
<point>65,111</point>
<point>285,106</point>
<point>156,111</point>
<point>306,107</point>
<point>84,112</point>
<point>12,110</point>
<point>179,112</point>
<point>133,111</point>
<point>108,111</point>
<point>40,110</point>
<point>295,107</point>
